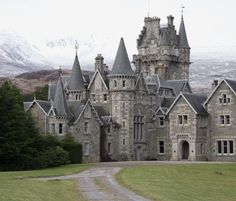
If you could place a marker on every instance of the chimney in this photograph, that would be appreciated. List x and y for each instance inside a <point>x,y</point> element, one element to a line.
<point>170,20</point>
<point>214,84</point>
<point>99,63</point>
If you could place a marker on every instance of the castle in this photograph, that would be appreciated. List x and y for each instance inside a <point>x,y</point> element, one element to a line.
<point>144,113</point>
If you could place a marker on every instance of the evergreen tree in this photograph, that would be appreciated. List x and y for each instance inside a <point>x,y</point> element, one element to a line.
<point>21,146</point>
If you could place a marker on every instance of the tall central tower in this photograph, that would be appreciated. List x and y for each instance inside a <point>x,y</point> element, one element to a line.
<point>162,51</point>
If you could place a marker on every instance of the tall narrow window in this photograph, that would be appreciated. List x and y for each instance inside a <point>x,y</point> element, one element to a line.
<point>225,147</point>
<point>219,147</point>
<point>227,119</point>
<point>162,147</point>
<point>123,83</point>
<point>123,141</point>
<point>109,148</point>
<point>60,128</point>
<point>104,97</point>
<point>222,119</point>
<point>231,147</point>
<point>123,123</point>
<point>180,119</point>
<point>115,83</point>
<point>86,124</point>
<point>224,98</point>
<point>185,119</point>
<point>161,121</point>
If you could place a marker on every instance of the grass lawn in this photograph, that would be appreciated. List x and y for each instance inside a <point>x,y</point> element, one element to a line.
<point>196,182</point>
<point>16,186</point>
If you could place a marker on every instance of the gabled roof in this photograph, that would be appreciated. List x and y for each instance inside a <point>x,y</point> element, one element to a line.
<point>43,105</point>
<point>94,76</point>
<point>94,112</point>
<point>183,41</point>
<point>230,83</point>
<point>176,85</point>
<point>59,103</point>
<point>75,107</point>
<point>194,101</point>
<point>121,64</point>
<point>76,80</point>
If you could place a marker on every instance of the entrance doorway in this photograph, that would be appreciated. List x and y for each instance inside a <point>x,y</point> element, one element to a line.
<point>185,150</point>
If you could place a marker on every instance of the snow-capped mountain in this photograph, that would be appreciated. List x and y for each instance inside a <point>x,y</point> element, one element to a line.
<point>17,55</point>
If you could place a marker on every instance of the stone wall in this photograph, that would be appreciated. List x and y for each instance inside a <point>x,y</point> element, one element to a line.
<point>222,132</point>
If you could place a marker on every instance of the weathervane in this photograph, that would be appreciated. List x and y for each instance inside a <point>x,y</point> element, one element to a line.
<point>76,46</point>
<point>182,9</point>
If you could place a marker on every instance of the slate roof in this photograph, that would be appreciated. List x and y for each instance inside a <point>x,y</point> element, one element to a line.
<point>183,41</point>
<point>45,105</point>
<point>51,91</point>
<point>59,102</point>
<point>164,38</point>
<point>121,64</point>
<point>101,111</point>
<point>75,108</point>
<point>27,105</point>
<point>76,80</point>
<point>177,85</point>
<point>196,101</point>
<point>232,84</point>
<point>154,81</point>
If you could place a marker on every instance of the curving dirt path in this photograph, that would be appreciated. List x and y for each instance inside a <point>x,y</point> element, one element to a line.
<point>98,183</point>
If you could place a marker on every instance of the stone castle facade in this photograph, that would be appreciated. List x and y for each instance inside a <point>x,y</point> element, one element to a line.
<point>144,113</point>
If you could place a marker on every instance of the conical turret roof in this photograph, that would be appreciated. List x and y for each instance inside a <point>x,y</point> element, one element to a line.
<point>121,64</point>
<point>76,80</point>
<point>183,41</point>
<point>59,102</point>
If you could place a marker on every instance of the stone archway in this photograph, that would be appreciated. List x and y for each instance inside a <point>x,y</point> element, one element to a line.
<point>185,150</point>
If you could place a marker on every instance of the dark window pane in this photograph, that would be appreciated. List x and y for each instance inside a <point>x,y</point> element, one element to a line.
<point>219,147</point>
<point>162,147</point>
<point>225,147</point>
<point>231,147</point>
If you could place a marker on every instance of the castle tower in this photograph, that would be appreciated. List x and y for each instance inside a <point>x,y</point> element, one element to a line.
<point>59,115</point>
<point>122,85</point>
<point>76,89</point>
<point>184,51</point>
<point>162,51</point>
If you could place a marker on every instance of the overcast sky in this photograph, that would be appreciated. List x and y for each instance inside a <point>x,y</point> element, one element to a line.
<point>209,23</point>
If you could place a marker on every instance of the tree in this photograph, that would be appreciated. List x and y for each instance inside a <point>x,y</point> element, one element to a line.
<point>41,93</point>
<point>21,146</point>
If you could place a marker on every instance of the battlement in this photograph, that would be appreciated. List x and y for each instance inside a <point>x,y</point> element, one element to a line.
<point>151,19</point>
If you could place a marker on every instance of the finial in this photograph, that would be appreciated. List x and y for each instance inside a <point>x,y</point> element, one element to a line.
<point>182,10</point>
<point>76,46</point>
<point>34,96</point>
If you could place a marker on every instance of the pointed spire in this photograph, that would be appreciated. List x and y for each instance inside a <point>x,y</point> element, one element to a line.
<point>76,79</point>
<point>121,64</point>
<point>183,41</point>
<point>59,102</point>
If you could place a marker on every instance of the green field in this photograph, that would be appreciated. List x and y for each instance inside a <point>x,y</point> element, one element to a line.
<point>198,182</point>
<point>18,186</point>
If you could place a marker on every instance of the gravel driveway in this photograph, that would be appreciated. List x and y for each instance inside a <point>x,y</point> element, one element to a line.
<point>98,183</point>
